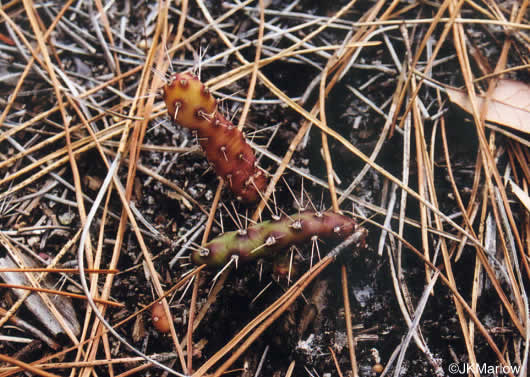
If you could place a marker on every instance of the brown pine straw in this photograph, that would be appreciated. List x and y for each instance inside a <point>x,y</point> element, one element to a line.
<point>489,165</point>
<point>108,31</point>
<point>213,210</point>
<point>192,322</point>
<point>32,16</point>
<point>77,364</point>
<point>135,142</point>
<point>337,366</point>
<point>27,69</point>
<point>305,126</point>
<point>290,369</point>
<point>76,176</point>
<point>59,270</point>
<point>26,366</point>
<point>261,322</point>
<point>18,258</point>
<point>457,296</point>
<point>347,317</point>
<point>134,147</point>
<point>480,252</point>
<point>375,166</point>
<point>255,67</point>
<point>61,293</point>
<point>60,354</point>
<point>462,53</point>
<point>191,319</point>
<point>135,370</point>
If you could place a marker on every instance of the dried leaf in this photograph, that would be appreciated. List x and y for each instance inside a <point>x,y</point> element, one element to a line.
<point>509,104</point>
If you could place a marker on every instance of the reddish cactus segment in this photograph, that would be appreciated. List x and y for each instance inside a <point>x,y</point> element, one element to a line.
<point>159,318</point>
<point>189,102</point>
<point>191,105</point>
<point>266,238</point>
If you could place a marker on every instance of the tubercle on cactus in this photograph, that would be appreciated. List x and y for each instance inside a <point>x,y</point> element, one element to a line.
<point>190,104</point>
<point>268,237</point>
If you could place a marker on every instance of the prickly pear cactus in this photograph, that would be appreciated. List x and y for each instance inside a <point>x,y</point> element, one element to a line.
<point>269,237</point>
<point>190,104</point>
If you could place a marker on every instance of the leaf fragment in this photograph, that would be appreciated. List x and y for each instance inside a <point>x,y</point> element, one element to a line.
<point>509,104</point>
